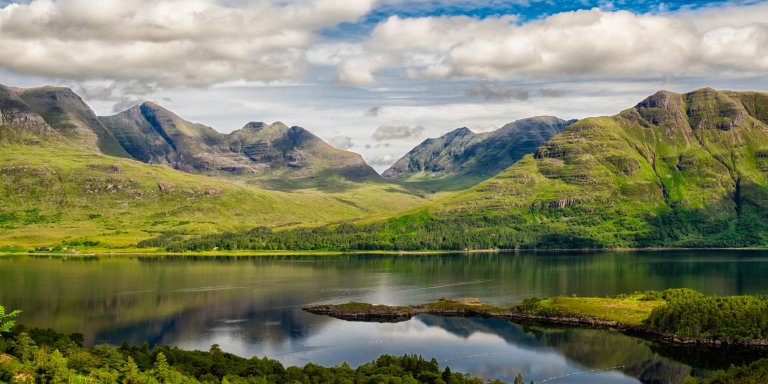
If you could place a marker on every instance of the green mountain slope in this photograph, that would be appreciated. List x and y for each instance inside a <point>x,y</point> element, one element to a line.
<point>271,155</point>
<point>21,125</point>
<point>55,191</point>
<point>677,170</point>
<point>462,155</point>
<point>65,111</point>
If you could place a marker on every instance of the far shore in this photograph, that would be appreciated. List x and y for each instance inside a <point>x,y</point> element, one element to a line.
<point>254,253</point>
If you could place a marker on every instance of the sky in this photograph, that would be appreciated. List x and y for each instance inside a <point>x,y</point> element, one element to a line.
<point>377,77</point>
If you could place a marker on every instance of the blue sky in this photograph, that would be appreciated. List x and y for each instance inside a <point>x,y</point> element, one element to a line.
<point>345,69</point>
<point>527,10</point>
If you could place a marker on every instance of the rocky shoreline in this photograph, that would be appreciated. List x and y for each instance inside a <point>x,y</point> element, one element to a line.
<point>394,314</point>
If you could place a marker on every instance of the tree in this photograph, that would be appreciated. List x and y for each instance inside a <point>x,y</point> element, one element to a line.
<point>130,373</point>
<point>162,370</point>
<point>6,319</point>
<point>25,348</point>
<point>52,368</point>
<point>519,379</point>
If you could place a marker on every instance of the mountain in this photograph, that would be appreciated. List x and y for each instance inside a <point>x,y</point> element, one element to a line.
<point>22,125</point>
<point>676,170</point>
<point>67,113</point>
<point>59,189</point>
<point>463,154</point>
<point>153,134</point>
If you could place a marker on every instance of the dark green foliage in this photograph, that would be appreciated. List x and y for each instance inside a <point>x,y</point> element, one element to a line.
<point>755,373</point>
<point>54,358</point>
<point>416,232</point>
<point>696,315</point>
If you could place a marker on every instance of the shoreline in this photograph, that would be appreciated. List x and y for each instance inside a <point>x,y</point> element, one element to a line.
<point>393,314</point>
<point>248,253</point>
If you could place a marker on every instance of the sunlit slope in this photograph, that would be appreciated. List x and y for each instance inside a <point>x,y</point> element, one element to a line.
<point>49,194</point>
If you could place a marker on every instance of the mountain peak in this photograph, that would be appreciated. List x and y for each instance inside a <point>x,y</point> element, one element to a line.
<point>460,132</point>
<point>66,112</point>
<point>464,155</point>
<point>254,125</point>
<point>661,99</point>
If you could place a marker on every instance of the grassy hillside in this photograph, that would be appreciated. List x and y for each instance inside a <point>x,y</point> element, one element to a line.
<point>67,113</point>
<point>50,194</point>
<point>677,170</point>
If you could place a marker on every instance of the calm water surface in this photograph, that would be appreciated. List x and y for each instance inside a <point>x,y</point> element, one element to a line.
<point>252,306</point>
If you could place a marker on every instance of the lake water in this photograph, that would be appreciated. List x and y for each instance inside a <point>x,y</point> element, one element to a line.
<point>252,306</point>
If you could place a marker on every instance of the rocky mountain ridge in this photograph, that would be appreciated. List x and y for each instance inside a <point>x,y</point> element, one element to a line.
<point>462,153</point>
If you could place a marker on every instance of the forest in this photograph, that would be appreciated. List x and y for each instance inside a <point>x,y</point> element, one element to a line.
<point>714,317</point>
<point>436,231</point>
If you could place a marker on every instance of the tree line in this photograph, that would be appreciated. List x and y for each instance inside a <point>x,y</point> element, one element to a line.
<point>553,228</point>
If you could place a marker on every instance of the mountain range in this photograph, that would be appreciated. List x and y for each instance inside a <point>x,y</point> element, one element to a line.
<point>678,170</point>
<point>67,175</point>
<point>155,135</point>
<point>675,170</point>
<point>463,157</point>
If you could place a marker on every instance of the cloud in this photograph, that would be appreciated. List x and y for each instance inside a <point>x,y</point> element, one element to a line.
<point>396,132</point>
<point>125,103</point>
<point>373,111</point>
<point>549,92</point>
<point>491,93</point>
<point>381,161</point>
<point>124,94</point>
<point>584,43</point>
<point>169,42</point>
<point>381,145</point>
<point>341,142</point>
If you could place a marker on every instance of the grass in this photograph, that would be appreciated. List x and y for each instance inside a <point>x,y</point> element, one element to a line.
<point>631,310</point>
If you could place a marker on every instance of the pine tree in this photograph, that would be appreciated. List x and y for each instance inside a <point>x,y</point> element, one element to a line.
<point>162,369</point>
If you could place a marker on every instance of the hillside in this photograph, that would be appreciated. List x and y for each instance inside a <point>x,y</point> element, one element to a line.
<point>273,155</point>
<point>464,157</point>
<point>57,191</point>
<point>676,170</point>
<point>67,113</point>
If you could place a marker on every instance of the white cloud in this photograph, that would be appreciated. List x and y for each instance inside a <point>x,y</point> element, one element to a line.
<point>396,132</point>
<point>496,93</point>
<point>341,142</point>
<point>373,111</point>
<point>170,42</point>
<point>582,43</point>
<point>382,162</point>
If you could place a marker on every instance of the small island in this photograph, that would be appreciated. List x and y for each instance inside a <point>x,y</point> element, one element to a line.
<point>676,316</point>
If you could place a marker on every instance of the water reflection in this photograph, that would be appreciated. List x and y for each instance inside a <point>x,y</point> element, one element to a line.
<point>252,305</point>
